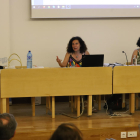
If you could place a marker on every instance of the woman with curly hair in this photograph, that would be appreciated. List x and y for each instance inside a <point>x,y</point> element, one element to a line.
<point>75,49</point>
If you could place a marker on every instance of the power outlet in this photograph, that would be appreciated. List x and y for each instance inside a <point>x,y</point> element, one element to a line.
<point>123,134</point>
<point>132,134</point>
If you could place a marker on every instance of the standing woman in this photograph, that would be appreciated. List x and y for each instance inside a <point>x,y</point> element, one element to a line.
<point>75,49</point>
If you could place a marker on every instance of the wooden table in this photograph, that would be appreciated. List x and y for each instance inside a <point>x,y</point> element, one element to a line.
<point>126,80</point>
<point>51,82</point>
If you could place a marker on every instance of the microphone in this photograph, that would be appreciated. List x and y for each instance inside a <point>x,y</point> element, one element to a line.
<point>126,57</point>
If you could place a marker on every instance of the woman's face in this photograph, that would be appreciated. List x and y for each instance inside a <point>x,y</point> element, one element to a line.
<point>76,45</point>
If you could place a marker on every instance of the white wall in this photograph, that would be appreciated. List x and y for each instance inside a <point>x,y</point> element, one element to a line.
<point>4,32</point>
<point>47,38</point>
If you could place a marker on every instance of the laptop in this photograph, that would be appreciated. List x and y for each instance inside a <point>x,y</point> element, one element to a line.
<point>94,60</point>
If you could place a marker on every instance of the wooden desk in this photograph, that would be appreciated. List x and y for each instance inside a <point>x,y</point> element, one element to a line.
<point>126,80</point>
<point>56,82</point>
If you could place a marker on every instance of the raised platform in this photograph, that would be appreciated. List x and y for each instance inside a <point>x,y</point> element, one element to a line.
<point>97,127</point>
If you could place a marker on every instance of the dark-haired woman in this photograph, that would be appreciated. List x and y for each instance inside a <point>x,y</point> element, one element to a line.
<point>75,49</point>
<point>73,58</point>
<point>136,54</point>
<point>67,131</point>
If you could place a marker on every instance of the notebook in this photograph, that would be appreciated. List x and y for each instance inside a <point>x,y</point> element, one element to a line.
<point>94,60</point>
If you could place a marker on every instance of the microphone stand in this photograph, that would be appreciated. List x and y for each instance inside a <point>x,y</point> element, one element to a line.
<point>126,57</point>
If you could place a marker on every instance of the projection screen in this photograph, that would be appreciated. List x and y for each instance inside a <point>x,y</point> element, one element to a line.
<point>84,8</point>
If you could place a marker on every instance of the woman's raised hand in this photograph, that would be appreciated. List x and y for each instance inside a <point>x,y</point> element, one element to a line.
<point>58,60</point>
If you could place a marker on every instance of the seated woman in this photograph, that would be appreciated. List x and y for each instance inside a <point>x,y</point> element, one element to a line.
<point>73,58</point>
<point>136,53</point>
<point>75,49</point>
<point>67,131</point>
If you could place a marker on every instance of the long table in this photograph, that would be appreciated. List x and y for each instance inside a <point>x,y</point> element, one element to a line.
<point>51,82</point>
<point>126,80</point>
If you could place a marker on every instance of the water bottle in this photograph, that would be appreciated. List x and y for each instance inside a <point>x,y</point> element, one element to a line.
<point>29,59</point>
<point>135,61</point>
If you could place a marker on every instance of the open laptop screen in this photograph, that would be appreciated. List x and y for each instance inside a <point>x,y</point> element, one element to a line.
<point>96,60</point>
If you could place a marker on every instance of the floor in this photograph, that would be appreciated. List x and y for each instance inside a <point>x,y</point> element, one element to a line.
<point>97,127</point>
